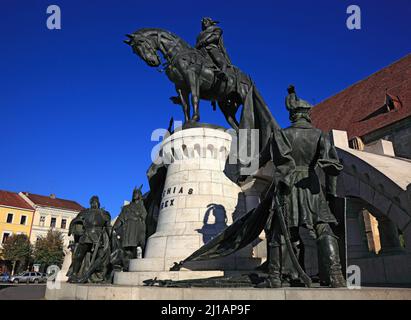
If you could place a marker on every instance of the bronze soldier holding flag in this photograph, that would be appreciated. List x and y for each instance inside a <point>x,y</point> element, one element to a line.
<point>294,199</point>
<point>299,199</point>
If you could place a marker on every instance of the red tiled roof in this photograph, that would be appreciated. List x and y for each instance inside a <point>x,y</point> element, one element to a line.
<point>350,109</point>
<point>12,199</point>
<point>46,201</point>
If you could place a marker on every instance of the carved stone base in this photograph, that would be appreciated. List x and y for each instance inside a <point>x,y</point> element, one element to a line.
<point>101,292</point>
<point>198,202</point>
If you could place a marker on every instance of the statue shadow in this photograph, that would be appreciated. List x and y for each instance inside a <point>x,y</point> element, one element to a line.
<point>218,216</point>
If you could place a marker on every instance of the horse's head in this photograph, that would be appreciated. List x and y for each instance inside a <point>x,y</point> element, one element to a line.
<point>144,47</point>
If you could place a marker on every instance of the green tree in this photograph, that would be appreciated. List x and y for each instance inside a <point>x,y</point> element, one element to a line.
<point>48,250</point>
<point>18,249</point>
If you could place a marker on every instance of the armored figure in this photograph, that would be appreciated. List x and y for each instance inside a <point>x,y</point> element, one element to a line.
<point>129,232</point>
<point>296,151</point>
<point>210,42</point>
<point>91,229</point>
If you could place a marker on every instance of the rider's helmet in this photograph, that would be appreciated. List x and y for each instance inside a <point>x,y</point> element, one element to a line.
<point>207,21</point>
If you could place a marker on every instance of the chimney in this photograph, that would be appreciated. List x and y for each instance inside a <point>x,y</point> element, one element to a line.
<point>53,196</point>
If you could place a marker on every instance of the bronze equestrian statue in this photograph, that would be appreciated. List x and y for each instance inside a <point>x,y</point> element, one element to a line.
<point>197,72</point>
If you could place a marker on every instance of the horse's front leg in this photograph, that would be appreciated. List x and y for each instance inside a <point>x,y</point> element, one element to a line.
<point>194,84</point>
<point>184,98</point>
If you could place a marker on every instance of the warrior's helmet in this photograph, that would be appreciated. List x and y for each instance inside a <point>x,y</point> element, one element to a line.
<point>207,21</point>
<point>137,194</point>
<point>297,107</point>
<point>95,199</point>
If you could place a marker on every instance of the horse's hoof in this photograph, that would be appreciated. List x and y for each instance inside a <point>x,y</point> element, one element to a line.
<point>195,118</point>
<point>176,100</point>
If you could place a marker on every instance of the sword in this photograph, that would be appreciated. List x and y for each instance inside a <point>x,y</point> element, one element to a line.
<point>96,247</point>
<point>284,229</point>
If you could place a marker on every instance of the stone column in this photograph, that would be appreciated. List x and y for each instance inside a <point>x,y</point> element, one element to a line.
<point>372,232</point>
<point>198,199</point>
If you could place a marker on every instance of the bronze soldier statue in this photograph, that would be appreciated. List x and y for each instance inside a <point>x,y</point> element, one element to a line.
<point>296,151</point>
<point>210,42</point>
<point>129,231</point>
<point>91,229</point>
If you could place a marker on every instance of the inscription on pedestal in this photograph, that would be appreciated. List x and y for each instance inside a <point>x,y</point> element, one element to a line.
<point>174,191</point>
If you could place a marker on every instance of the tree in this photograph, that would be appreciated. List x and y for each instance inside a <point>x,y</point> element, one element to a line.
<point>49,250</point>
<point>18,249</point>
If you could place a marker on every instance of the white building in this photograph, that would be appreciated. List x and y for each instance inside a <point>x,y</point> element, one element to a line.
<point>51,213</point>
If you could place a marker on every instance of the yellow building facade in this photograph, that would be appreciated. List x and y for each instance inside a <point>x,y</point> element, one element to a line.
<point>16,216</point>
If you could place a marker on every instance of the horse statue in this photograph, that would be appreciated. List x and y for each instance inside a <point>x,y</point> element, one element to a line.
<point>194,72</point>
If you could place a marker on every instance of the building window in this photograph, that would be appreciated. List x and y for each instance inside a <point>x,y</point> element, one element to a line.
<point>6,235</point>
<point>23,220</point>
<point>53,223</point>
<point>42,221</point>
<point>10,218</point>
<point>63,223</point>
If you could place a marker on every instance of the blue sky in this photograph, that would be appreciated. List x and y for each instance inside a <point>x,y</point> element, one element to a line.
<point>78,108</point>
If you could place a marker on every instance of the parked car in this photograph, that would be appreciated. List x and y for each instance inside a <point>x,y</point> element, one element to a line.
<point>28,277</point>
<point>4,277</point>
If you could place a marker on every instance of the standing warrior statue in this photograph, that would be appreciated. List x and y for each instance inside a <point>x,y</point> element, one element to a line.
<point>129,231</point>
<point>91,229</point>
<point>294,199</point>
<point>299,200</point>
<point>210,42</point>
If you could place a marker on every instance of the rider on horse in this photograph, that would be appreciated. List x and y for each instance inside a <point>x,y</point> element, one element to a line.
<point>210,42</point>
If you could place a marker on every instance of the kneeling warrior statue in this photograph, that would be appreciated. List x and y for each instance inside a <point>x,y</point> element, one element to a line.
<point>91,229</point>
<point>298,200</point>
<point>129,232</point>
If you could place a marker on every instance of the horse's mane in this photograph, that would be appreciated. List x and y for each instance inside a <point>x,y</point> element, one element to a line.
<point>147,32</point>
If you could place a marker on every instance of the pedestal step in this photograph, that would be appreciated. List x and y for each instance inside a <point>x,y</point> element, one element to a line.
<point>227,263</point>
<point>138,278</point>
<point>115,292</point>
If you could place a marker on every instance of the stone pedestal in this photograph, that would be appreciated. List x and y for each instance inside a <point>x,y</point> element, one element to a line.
<point>198,202</point>
<point>99,292</point>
